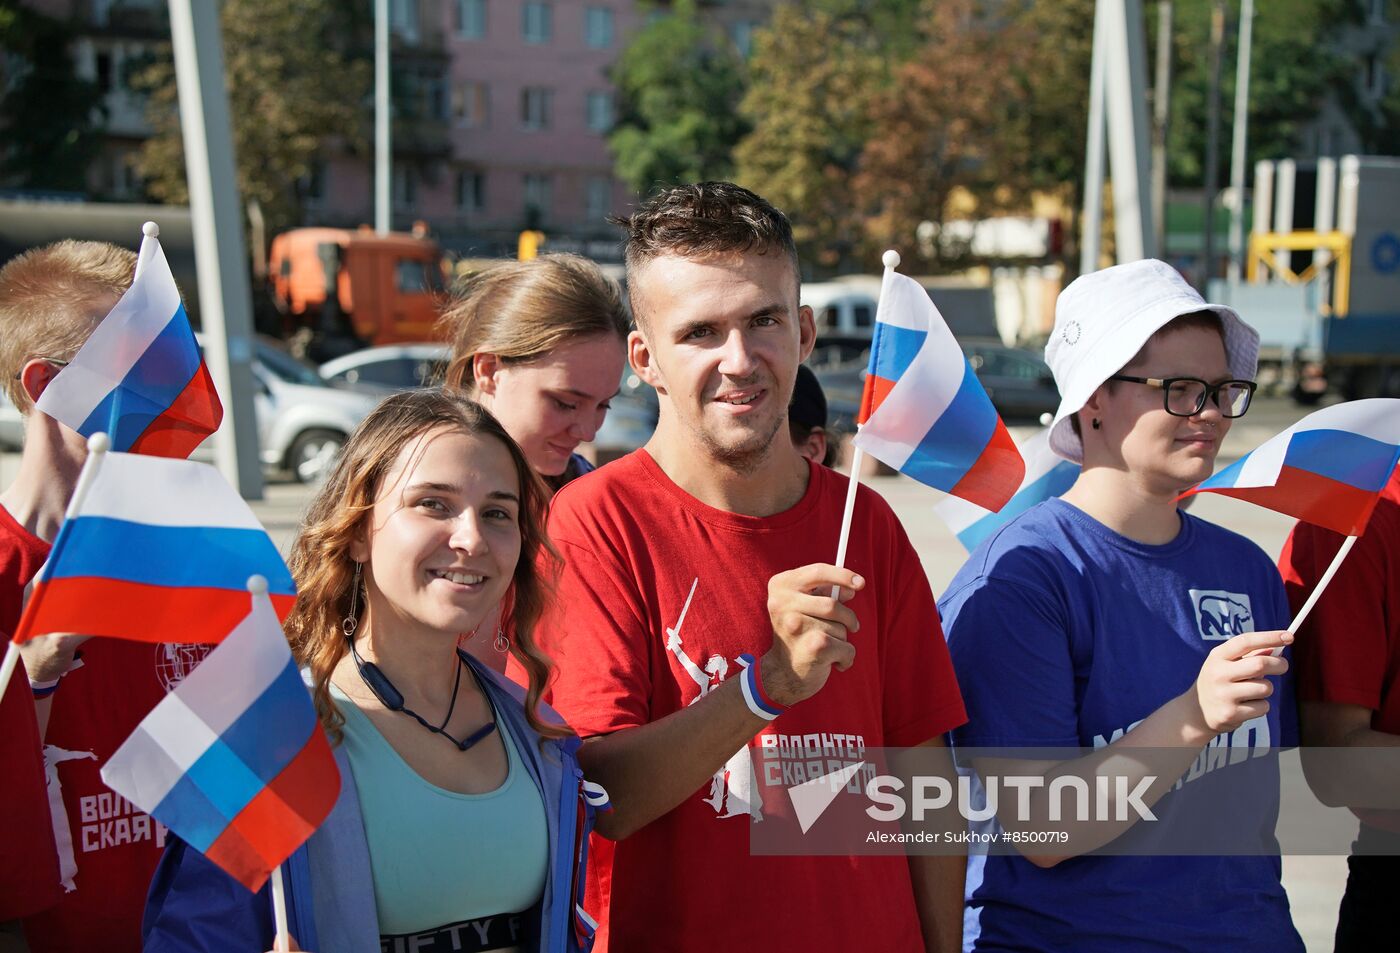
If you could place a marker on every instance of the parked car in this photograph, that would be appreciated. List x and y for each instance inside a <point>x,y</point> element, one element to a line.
<point>631,418</point>
<point>11,424</point>
<point>1018,381</point>
<point>384,370</point>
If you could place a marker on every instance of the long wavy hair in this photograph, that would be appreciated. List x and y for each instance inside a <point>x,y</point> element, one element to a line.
<point>324,571</point>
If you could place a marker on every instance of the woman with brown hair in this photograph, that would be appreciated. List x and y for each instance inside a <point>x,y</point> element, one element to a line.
<point>462,812</point>
<point>542,345</point>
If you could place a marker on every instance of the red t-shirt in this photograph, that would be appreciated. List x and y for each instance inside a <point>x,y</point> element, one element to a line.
<point>1348,650</point>
<point>28,861</point>
<point>107,849</point>
<point>634,546</point>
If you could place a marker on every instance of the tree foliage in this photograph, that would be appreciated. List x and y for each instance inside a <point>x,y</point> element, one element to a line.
<point>679,81</point>
<point>291,86</point>
<point>47,112</point>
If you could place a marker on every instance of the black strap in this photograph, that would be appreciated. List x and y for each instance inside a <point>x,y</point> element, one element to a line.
<point>466,936</point>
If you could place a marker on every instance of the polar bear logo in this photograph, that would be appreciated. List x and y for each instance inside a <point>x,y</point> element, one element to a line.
<point>1221,615</point>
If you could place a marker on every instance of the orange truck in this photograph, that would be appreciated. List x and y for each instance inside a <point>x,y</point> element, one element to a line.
<point>340,290</point>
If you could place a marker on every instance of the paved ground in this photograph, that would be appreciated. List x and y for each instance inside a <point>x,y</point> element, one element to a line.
<point>1314,883</point>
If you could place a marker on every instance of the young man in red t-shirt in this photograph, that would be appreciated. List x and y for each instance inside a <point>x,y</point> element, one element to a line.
<point>696,558</point>
<point>1348,662</point>
<point>88,699</point>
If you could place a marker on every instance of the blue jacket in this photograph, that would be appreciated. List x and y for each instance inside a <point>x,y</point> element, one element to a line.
<point>194,906</point>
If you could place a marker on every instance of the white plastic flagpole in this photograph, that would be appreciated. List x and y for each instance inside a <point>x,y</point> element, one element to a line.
<point>279,911</point>
<point>97,448</point>
<point>150,233</point>
<point>890,259</point>
<point>1297,623</point>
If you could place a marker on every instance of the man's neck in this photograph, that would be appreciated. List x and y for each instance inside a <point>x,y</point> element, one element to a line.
<point>773,484</point>
<point>1124,505</point>
<point>48,473</point>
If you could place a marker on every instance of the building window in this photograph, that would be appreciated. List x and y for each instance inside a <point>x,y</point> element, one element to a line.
<point>534,107</point>
<point>312,186</point>
<point>435,98</point>
<point>471,105</point>
<point>471,19</point>
<point>403,19</point>
<point>471,191</point>
<point>742,33</point>
<point>599,107</point>
<point>538,197</point>
<point>536,22</point>
<point>405,188</point>
<point>598,27</point>
<point>598,198</point>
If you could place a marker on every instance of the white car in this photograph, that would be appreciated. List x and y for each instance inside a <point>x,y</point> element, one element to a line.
<point>393,367</point>
<point>11,424</point>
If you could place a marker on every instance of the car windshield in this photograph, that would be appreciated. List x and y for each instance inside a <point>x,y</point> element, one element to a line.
<point>287,368</point>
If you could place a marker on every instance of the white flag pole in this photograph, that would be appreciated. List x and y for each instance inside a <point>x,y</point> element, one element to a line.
<point>97,449</point>
<point>890,259</point>
<point>279,911</point>
<point>1297,623</point>
<point>150,232</point>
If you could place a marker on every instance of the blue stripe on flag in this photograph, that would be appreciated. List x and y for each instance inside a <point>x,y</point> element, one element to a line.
<point>159,375</point>
<point>957,438</point>
<point>1359,461</point>
<point>189,556</point>
<point>894,349</point>
<point>1059,479</point>
<point>275,727</point>
<point>225,781</point>
<point>188,812</point>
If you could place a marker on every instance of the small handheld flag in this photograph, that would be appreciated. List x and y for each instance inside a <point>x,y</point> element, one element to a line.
<point>233,759</point>
<point>157,550</point>
<point>1327,469</point>
<point>924,412</point>
<point>1047,475</point>
<point>140,377</point>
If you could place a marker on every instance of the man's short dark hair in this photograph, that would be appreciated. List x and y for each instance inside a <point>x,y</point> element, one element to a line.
<point>700,220</point>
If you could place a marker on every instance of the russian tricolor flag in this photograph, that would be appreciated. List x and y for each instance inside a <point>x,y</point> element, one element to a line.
<point>1047,475</point>
<point>159,551</point>
<point>924,411</point>
<point>233,760</point>
<point>1327,469</point>
<point>140,377</point>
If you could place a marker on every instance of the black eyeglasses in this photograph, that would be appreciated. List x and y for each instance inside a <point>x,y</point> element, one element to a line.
<point>1186,396</point>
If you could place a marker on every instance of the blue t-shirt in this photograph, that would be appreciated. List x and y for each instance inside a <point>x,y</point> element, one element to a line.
<point>1064,633</point>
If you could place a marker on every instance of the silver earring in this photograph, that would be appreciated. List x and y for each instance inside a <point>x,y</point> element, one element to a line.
<point>352,621</point>
<point>501,644</point>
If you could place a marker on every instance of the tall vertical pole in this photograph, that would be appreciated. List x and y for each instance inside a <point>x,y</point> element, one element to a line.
<point>1217,43</point>
<point>1091,224</point>
<point>1128,140</point>
<point>1161,116</point>
<point>1237,145</point>
<point>383,214</point>
<point>225,301</point>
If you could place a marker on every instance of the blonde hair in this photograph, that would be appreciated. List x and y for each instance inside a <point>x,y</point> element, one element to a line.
<point>522,310</point>
<point>47,297</point>
<point>323,570</point>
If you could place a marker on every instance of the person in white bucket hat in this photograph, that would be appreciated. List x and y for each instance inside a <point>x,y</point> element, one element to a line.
<point>1111,623</point>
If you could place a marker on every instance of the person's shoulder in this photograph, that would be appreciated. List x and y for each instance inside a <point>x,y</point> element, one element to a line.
<point>1236,547</point>
<point>613,487</point>
<point>1029,551</point>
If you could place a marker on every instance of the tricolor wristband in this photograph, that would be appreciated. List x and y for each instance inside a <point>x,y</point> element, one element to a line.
<point>759,703</point>
<point>44,689</point>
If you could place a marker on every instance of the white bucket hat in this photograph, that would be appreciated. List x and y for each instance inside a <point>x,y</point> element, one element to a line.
<point>1104,318</point>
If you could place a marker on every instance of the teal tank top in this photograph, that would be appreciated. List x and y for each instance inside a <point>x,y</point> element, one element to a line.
<point>439,857</point>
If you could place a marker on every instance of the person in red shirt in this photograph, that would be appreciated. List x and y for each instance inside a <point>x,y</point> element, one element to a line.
<point>88,695</point>
<point>694,634</point>
<point>1348,662</point>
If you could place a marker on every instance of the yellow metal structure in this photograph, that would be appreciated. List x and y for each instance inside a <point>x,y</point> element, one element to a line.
<point>529,244</point>
<point>1262,248</point>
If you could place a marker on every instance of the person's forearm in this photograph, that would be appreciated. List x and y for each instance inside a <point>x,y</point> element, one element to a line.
<point>650,769</point>
<point>1347,762</point>
<point>938,892</point>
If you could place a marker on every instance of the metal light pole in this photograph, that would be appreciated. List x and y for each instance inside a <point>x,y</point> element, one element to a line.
<point>1091,222</point>
<point>383,214</point>
<point>1217,42</point>
<point>1237,147</point>
<point>1161,115</point>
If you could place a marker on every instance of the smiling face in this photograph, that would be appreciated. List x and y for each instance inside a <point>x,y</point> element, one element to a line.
<point>553,403</point>
<point>1165,453</point>
<point>722,340</point>
<point>442,541</point>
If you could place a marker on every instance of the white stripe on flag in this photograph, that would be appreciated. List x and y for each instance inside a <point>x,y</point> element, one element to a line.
<point>959,514</point>
<point>1375,417</point>
<point>158,754</point>
<point>115,345</point>
<point>159,491</point>
<point>929,385</point>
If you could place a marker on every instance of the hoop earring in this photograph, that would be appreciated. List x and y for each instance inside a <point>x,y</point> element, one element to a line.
<point>501,644</point>
<point>351,622</point>
<point>1095,424</point>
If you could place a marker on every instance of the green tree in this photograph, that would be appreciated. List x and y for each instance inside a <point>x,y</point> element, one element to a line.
<point>816,71</point>
<point>291,87</point>
<point>679,81</point>
<point>46,111</point>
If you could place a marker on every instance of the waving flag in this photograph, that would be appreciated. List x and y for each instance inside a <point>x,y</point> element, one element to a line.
<point>1047,475</point>
<point>233,759</point>
<point>159,551</point>
<point>140,377</point>
<point>1327,469</point>
<point>924,411</point>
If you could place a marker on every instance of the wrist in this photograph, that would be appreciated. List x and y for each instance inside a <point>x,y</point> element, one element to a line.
<point>760,701</point>
<point>1195,729</point>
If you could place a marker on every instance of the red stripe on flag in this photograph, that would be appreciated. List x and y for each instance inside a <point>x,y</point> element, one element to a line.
<point>137,611</point>
<point>876,390</point>
<point>195,414</point>
<point>997,474</point>
<point>1312,498</point>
